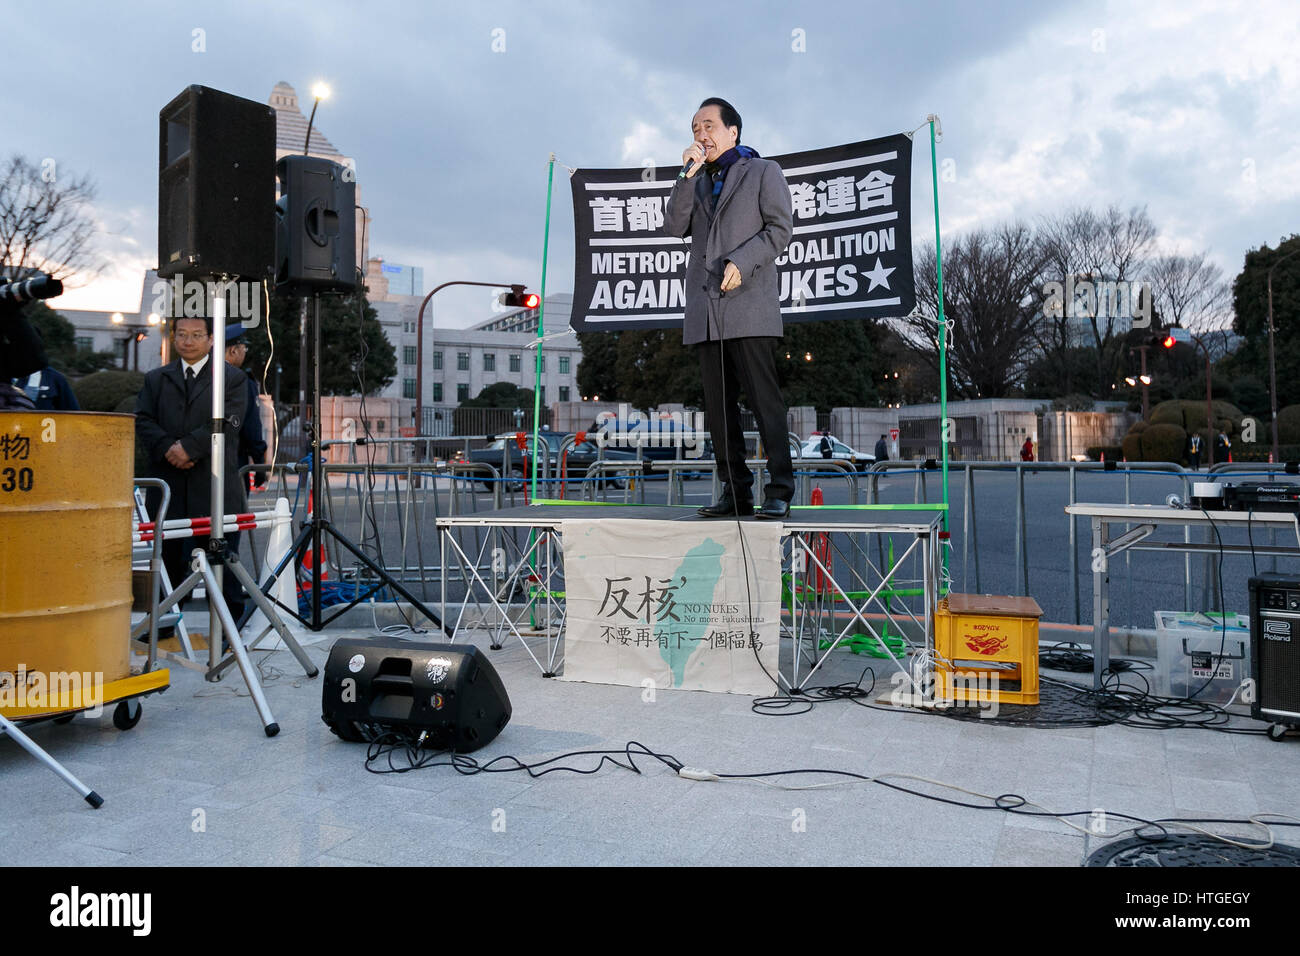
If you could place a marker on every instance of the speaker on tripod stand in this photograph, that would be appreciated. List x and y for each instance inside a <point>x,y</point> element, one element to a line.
<point>315,253</point>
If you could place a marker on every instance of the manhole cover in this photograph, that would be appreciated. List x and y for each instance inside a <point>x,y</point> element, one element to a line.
<point>1058,706</point>
<point>1190,849</point>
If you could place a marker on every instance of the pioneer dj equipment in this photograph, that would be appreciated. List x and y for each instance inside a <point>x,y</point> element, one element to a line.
<point>1275,649</point>
<point>1257,496</point>
<point>447,696</point>
<point>1270,496</point>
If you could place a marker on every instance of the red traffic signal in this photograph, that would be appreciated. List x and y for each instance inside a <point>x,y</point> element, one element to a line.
<point>518,298</point>
<point>1168,341</point>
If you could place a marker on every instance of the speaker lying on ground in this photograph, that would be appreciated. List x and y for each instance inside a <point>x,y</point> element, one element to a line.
<point>450,693</point>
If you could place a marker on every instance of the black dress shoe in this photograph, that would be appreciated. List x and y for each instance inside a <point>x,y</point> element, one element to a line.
<point>775,509</point>
<point>728,507</point>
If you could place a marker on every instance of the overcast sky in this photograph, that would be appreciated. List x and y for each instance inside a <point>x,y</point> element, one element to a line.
<point>1190,108</point>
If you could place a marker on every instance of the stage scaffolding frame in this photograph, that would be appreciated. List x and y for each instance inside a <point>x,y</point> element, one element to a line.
<point>851,592</point>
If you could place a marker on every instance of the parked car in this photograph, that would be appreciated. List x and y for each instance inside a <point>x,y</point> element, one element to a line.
<point>812,448</point>
<point>576,462</point>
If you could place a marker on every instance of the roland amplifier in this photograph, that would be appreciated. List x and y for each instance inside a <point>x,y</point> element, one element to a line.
<point>449,693</point>
<point>1275,647</point>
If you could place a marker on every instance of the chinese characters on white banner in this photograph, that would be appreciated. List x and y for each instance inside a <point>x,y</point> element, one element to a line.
<point>679,604</point>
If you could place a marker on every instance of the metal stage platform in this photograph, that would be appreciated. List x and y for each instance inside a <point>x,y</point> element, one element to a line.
<point>866,575</point>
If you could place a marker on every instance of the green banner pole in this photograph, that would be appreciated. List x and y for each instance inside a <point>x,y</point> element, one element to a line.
<point>537,366</point>
<point>541,313</point>
<point>932,119</point>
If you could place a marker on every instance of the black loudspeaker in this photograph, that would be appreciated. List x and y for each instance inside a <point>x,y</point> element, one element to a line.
<point>450,692</point>
<point>315,226</point>
<point>216,186</point>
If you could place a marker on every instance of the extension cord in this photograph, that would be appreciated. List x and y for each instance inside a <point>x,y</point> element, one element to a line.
<point>694,773</point>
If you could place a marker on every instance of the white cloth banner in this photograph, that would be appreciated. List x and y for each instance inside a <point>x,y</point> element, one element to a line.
<point>678,603</point>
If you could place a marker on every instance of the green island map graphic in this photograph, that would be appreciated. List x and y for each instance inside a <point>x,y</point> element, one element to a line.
<point>702,568</point>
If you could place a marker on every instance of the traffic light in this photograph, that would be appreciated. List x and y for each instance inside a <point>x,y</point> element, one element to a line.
<point>518,298</point>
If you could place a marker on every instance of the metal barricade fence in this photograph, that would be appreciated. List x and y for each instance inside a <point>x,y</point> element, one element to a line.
<point>973,551</point>
<point>391,510</point>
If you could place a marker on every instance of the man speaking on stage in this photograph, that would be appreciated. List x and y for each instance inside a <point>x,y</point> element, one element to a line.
<point>739,218</point>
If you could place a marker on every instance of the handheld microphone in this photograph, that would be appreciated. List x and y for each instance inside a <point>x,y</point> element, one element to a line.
<point>690,170</point>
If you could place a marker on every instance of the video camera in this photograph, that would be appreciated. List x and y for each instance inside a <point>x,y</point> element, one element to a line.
<point>25,290</point>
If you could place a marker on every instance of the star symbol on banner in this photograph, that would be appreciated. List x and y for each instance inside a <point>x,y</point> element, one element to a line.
<point>878,276</point>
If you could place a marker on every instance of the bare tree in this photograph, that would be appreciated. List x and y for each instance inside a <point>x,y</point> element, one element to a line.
<point>1111,247</point>
<point>1190,291</point>
<point>46,223</point>
<point>990,295</point>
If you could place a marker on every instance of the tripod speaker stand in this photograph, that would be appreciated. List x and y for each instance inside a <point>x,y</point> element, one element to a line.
<point>317,527</point>
<point>207,568</point>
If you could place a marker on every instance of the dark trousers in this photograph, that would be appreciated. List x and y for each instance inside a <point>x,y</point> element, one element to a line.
<point>727,368</point>
<point>176,558</point>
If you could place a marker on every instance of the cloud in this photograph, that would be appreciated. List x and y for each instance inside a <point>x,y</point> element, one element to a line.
<point>1188,107</point>
<point>1179,106</point>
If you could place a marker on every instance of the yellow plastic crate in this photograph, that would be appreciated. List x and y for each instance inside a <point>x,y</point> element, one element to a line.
<point>984,636</point>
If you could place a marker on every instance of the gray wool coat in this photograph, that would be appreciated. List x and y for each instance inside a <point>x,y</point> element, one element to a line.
<point>751,226</point>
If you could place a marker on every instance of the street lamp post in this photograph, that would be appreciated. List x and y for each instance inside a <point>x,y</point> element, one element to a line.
<point>138,332</point>
<point>320,91</point>
<point>419,345</point>
<point>1272,367</point>
<point>1209,403</point>
<point>1146,380</point>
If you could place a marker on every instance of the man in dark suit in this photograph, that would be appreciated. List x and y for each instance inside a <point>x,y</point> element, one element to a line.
<point>173,423</point>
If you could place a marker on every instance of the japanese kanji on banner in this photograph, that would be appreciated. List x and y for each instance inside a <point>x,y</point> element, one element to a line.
<point>669,602</point>
<point>850,256</point>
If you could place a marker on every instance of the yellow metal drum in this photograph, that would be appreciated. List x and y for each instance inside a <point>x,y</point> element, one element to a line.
<point>65,553</point>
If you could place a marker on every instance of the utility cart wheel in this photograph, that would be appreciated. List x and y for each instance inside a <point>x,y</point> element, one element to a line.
<point>127,714</point>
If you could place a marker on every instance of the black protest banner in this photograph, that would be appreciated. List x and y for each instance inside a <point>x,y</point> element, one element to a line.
<point>850,256</point>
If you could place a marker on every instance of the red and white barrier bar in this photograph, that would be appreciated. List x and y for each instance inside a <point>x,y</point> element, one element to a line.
<point>176,528</point>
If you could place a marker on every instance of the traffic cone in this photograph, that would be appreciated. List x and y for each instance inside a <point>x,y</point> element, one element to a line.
<point>309,559</point>
<point>821,549</point>
<point>280,540</point>
<point>281,537</point>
